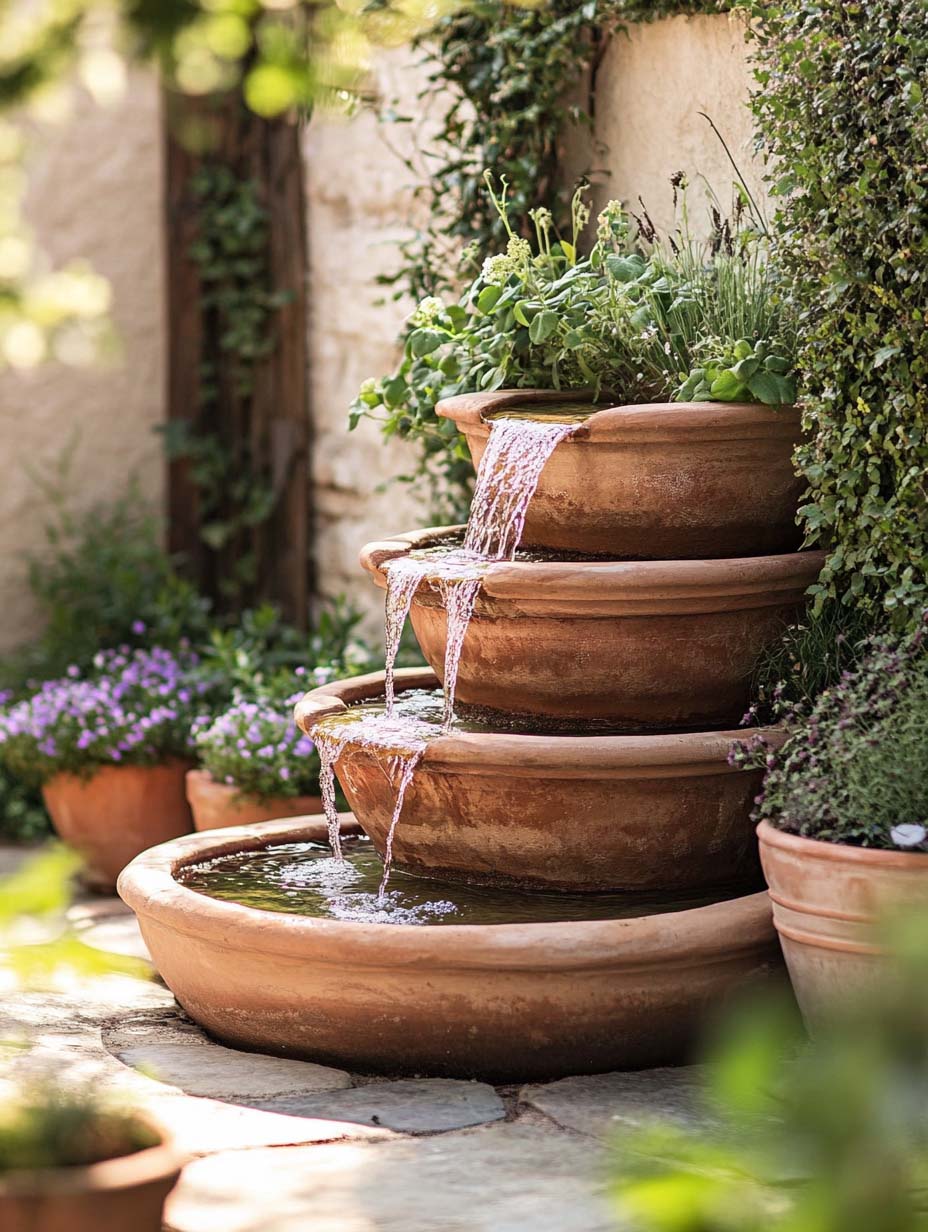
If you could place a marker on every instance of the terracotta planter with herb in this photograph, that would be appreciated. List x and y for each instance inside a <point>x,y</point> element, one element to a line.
<point>638,644</point>
<point>126,1194</point>
<point>215,805</point>
<point>117,812</point>
<point>827,898</point>
<point>662,481</point>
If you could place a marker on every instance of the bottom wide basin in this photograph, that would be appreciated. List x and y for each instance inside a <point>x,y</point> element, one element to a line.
<point>502,1002</point>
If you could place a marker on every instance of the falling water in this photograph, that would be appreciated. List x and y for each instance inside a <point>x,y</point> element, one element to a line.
<point>403,577</point>
<point>516,453</point>
<point>401,768</point>
<point>510,468</point>
<point>403,739</point>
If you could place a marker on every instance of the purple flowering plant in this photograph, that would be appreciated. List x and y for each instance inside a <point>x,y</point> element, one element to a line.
<point>854,766</point>
<point>131,707</point>
<point>255,746</point>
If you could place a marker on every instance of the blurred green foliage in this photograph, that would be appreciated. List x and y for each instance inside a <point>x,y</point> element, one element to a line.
<point>821,1135</point>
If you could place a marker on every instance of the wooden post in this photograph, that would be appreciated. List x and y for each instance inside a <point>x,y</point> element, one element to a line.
<point>264,432</point>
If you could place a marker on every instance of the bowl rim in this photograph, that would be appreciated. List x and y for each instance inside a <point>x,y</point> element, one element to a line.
<point>838,853</point>
<point>683,938</point>
<point>751,580</point>
<point>669,753</point>
<point>630,424</point>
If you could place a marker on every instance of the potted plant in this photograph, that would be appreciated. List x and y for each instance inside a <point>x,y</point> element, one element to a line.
<point>69,1161</point>
<point>843,818</point>
<point>110,749</point>
<point>678,353</point>
<point>256,765</point>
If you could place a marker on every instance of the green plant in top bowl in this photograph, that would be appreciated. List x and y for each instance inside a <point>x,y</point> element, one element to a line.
<point>646,319</point>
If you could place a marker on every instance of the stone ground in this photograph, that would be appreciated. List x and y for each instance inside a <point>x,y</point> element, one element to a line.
<point>288,1146</point>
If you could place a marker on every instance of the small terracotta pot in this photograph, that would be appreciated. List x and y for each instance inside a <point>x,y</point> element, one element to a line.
<point>661,814</point>
<point>215,805</point>
<point>663,481</point>
<point>118,812</point>
<point>646,644</point>
<point>118,1195</point>
<point>504,1002</point>
<point>826,899</point>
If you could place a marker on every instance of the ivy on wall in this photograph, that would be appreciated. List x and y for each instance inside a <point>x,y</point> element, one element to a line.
<point>842,113</point>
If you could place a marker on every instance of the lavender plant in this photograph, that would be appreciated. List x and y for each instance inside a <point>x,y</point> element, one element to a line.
<point>854,767</point>
<point>133,707</point>
<point>256,746</point>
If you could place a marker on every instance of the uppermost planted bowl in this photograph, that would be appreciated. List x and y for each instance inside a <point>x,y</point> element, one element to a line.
<point>663,481</point>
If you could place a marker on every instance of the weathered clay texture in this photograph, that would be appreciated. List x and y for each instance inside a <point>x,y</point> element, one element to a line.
<point>668,481</point>
<point>658,813</point>
<point>218,804</point>
<point>641,644</point>
<point>502,1003</point>
<point>827,900</point>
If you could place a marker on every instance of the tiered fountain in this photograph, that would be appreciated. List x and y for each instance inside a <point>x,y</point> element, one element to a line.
<point>550,868</point>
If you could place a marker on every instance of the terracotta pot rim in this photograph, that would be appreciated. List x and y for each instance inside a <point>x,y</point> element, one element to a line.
<point>534,755</point>
<point>672,939</point>
<point>121,1172</point>
<point>630,424</point>
<point>840,853</point>
<point>753,580</point>
<point>70,775</point>
<point>203,780</point>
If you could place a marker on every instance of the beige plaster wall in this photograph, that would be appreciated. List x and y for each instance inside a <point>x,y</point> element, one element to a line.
<point>359,208</point>
<point>95,193</point>
<point>652,84</point>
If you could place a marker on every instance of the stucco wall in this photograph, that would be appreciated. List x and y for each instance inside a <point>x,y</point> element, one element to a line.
<point>653,82</point>
<point>95,193</point>
<point>359,208</point>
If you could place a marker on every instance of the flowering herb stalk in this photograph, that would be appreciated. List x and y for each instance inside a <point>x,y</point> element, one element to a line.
<point>133,707</point>
<point>854,767</point>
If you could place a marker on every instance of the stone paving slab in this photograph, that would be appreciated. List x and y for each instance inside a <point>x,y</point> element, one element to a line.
<point>410,1106</point>
<point>502,1178</point>
<point>601,1104</point>
<point>170,1048</point>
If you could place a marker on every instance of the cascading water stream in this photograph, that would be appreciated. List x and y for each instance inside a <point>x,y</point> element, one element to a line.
<point>515,455</point>
<point>509,471</point>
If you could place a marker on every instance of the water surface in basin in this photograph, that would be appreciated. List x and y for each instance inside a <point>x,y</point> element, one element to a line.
<point>303,879</point>
<point>570,411</point>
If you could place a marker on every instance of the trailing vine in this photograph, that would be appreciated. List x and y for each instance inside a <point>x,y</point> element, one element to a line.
<point>238,308</point>
<point>841,109</point>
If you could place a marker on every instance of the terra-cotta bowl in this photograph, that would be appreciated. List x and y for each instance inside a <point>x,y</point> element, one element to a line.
<point>642,644</point>
<point>663,481</point>
<point>506,1002</point>
<point>219,804</point>
<point>827,901</point>
<point>651,814</point>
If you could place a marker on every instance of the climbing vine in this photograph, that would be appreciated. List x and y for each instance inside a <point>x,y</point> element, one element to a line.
<point>238,307</point>
<point>841,109</point>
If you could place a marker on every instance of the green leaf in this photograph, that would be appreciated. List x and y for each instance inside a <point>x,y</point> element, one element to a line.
<point>625,269</point>
<point>770,389</point>
<point>777,365</point>
<point>488,298</point>
<point>543,326</point>
<point>883,354</point>
<point>744,369</point>
<point>726,387</point>
<point>743,349</point>
<point>424,342</point>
